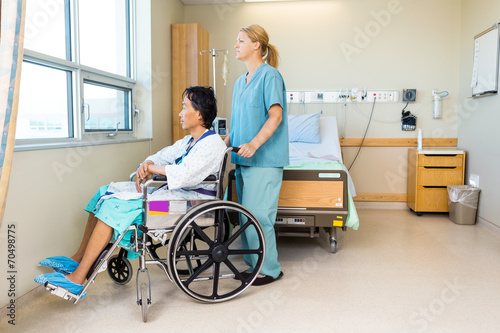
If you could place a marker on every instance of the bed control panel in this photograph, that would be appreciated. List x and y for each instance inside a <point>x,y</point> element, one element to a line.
<point>295,220</point>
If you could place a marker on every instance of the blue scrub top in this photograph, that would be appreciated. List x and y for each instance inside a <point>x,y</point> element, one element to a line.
<point>251,103</point>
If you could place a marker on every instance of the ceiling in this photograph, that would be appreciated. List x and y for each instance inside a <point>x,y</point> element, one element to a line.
<point>211,2</point>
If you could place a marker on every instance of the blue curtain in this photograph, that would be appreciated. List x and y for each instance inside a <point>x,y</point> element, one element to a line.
<point>11,57</point>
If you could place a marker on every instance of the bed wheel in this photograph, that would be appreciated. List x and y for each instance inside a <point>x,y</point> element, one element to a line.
<point>212,261</point>
<point>333,245</point>
<point>119,269</point>
<point>419,213</point>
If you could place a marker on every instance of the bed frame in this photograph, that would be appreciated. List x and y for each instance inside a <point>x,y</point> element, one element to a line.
<point>309,200</point>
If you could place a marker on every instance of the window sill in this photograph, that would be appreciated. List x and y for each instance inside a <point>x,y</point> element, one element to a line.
<point>73,144</point>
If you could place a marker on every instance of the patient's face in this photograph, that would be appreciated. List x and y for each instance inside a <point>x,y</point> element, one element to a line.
<point>190,118</point>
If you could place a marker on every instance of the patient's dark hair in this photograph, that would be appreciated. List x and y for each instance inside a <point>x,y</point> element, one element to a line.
<point>203,100</point>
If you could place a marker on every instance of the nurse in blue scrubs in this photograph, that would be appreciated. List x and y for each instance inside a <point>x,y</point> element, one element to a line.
<point>259,127</point>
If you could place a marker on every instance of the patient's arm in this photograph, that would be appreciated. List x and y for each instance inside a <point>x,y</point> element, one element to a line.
<point>143,173</point>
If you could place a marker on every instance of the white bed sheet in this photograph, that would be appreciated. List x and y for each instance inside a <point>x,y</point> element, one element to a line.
<point>326,151</point>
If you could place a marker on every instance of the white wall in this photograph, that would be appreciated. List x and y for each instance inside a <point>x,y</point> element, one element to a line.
<point>394,44</point>
<point>478,119</point>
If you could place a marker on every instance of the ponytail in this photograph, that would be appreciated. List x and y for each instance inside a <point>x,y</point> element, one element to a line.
<point>272,56</point>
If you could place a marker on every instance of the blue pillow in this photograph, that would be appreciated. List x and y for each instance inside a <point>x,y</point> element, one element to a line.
<point>304,128</point>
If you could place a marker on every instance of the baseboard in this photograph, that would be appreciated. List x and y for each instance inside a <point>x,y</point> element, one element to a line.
<point>380,197</point>
<point>380,205</point>
<point>491,227</point>
<point>22,302</point>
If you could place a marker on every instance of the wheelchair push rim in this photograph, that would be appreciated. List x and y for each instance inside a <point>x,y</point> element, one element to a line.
<point>218,277</point>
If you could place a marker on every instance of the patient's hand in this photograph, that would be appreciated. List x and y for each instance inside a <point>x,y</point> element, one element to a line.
<point>143,173</point>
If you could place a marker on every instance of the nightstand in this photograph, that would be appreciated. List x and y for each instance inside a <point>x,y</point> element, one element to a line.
<point>429,172</point>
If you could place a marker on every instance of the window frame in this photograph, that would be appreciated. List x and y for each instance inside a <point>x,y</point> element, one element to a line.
<point>80,74</point>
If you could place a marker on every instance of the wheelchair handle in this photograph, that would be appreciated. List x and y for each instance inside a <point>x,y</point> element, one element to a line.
<point>235,149</point>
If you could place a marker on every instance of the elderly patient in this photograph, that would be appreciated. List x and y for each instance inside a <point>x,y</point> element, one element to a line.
<point>117,206</point>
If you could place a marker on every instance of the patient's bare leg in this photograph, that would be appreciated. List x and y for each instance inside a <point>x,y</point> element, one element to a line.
<point>97,242</point>
<point>91,222</point>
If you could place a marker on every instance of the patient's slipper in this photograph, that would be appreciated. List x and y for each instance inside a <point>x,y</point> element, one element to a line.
<point>57,279</point>
<point>60,264</point>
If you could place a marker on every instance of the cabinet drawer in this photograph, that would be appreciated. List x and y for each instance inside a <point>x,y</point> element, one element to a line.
<point>432,199</point>
<point>428,176</point>
<point>440,160</point>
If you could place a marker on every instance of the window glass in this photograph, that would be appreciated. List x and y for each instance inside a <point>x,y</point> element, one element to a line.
<point>46,28</point>
<point>104,107</point>
<point>44,103</point>
<point>104,35</point>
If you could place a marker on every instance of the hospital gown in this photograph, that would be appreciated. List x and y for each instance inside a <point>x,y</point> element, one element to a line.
<point>119,205</point>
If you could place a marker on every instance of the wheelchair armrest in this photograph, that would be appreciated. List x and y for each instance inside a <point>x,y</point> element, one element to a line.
<point>162,178</point>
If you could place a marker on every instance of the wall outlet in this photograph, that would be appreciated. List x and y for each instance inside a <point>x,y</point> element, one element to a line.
<point>474,180</point>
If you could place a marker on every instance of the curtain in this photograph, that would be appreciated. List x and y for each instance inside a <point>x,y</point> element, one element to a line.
<point>11,57</point>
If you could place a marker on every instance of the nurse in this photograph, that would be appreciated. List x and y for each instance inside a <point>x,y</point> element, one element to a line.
<point>259,128</point>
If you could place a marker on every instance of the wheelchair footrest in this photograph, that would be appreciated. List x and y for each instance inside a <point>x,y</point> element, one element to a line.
<point>61,292</point>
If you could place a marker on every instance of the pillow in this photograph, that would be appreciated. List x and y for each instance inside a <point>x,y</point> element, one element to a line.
<point>304,128</point>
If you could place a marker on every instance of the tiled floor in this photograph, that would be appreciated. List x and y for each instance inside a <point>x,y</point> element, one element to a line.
<point>397,273</point>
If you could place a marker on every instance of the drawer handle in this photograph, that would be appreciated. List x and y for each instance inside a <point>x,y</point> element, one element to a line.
<point>440,167</point>
<point>440,155</point>
<point>434,186</point>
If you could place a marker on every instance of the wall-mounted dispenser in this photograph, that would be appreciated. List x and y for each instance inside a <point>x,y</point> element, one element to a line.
<point>437,105</point>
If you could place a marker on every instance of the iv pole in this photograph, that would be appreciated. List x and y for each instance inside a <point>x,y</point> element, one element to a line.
<point>214,52</point>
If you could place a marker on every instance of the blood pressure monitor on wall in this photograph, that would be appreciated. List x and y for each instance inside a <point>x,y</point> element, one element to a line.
<point>220,126</point>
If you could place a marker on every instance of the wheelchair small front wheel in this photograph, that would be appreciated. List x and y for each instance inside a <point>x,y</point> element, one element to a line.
<point>119,269</point>
<point>144,301</point>
<point>212,261</point>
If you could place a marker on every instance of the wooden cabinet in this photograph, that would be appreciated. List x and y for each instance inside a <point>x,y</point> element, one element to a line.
<point>189,68</point>
<point>429,173</point>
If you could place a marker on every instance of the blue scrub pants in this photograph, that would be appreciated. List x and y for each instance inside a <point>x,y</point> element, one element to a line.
<point>258,190</point>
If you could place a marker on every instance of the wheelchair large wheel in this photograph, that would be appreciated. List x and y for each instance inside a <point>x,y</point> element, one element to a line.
<point>218,277</point>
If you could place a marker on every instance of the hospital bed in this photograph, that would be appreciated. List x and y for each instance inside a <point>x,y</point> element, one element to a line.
<point>192,241</point>
<point>317,190</point>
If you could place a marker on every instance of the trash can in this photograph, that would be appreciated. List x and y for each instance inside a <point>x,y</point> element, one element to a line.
<point>462,202</point>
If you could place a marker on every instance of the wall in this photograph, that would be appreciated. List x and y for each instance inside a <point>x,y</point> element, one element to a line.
<point>50,188</point>
<point>478,118</point>
<point>377,44</point>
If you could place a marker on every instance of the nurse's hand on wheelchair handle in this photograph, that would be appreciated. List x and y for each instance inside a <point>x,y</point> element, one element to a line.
<point>246,150</point>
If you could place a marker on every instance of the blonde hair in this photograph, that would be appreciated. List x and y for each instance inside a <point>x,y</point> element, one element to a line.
<point>269,52</point>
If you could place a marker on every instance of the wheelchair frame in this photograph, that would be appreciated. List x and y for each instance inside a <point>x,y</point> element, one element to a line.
<point>193,254</point>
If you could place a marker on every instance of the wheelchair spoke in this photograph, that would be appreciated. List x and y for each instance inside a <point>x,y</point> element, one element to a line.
<point>203,267</point>
<point>202,234</point>
<point>243,251</point>
<point>216,281</point>
<point>238,233</point>
<point>233,269</point>
<point>219,225</point>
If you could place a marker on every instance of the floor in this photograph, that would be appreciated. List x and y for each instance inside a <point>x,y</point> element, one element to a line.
<point>397,273</point>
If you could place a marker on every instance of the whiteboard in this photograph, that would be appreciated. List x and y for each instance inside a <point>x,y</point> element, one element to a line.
<point>485,68</point>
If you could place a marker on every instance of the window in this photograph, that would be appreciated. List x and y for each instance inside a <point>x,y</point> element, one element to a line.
<point>77,77</point>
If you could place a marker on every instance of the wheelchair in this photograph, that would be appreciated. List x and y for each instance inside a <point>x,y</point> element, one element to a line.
<point>197,244</point>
